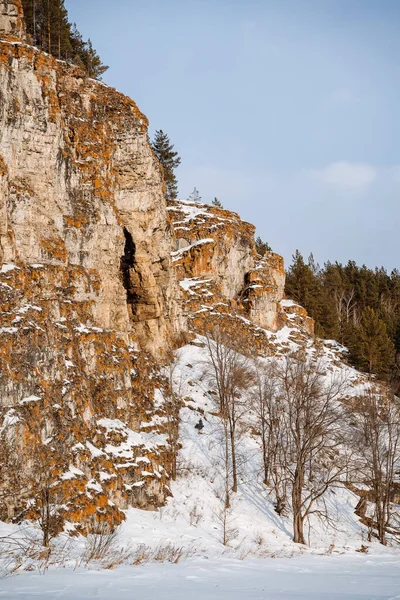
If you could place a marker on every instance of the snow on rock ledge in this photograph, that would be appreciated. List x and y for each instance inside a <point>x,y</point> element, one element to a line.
<point>88,291</point>
<point>223,278</point>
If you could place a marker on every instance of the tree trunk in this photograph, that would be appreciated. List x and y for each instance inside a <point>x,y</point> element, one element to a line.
<point>380,520</point>
<point>265,456</point>
<point>298,529</point>
<point>48,27</point>
<point>34,22</point>
<point>280,499</point>
<point>233,454</point>
<point>173,435</point>
<point>227,498</point>
<point>46,517</point>
<point>173,466</point>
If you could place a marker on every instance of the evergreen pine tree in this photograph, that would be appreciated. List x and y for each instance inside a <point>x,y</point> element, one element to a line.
<point>48,27</point>
<point>169,160</point>
<point>262,247</point>
<point>304,285</point>
<point>63,47</point>
<point>375,350</point>
<point>77,47</point>
<point>29,7</point>
<point>93,65</point>
<point>217,203</point>
<point>340,300</point>
<point>195,196</point>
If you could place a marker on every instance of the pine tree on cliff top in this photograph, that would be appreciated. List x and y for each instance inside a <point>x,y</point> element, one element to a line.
<point>262,247</point>
<point>169,159</point>
<point>49,29</point>
<point>194,196</point>
<point>93,65</point>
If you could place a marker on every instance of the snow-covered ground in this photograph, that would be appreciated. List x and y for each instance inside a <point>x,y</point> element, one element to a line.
<point>300,578</point>
<point>192,518</point>
<point>189,529</point>
<point>191,523</point>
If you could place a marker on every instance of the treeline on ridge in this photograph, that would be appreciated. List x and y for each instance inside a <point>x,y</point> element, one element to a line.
<point>357,306</point>
<point>48,26</point>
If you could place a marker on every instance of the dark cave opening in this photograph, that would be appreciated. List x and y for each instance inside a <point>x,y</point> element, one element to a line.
<point>127,263</point>
<point>129,250</point>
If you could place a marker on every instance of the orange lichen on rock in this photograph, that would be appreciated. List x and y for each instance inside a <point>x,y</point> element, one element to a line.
<point>54,248</point>
<point>76,398</point>
<point>75,221</point>
<point>225,283</point>
<point>3,166</point>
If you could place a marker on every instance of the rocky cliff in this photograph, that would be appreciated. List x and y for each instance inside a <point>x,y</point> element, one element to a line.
<point>226,284</point>
<point>12,25</point>
<point>98,278</point>
<point>87,287</point>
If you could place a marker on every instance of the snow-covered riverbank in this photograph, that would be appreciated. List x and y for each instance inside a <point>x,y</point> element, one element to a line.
<point>301,578</point>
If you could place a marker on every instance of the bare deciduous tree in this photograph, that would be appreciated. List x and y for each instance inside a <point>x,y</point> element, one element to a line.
<point>224,519</point>
<point>377,440</point>
<point>172,395</point>
<point>312,422</point>
<point>34,476</point>
<point>267,407</point>
<point>344,306</point>
<point>230,373</point>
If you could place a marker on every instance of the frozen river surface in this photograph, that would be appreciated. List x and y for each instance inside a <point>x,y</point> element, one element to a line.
<point>301,578</point>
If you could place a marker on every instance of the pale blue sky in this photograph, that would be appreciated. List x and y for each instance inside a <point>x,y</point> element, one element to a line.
<point>286,110</point>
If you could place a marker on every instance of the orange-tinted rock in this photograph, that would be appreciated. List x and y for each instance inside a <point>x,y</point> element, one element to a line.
<point>88,293</point>
<point>12,26</point>
<point>264,289</point>
<point>224,281</point>
<point>212,242</point>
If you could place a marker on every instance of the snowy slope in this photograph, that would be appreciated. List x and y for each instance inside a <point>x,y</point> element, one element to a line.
<point>191,522</point>
<point>192,518</point>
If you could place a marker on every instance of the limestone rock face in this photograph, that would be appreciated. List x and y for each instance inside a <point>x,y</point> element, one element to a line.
<point>212,242</point>
<point>81,186</point>
<point>88,292</point>
<point>265,287</point>
<point>226,284</point>
<point>11,19</point>
<point>296,316</point>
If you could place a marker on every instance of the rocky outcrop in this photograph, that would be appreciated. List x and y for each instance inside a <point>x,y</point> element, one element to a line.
<point>212,242</point>
<point>12,24</point>
<point>88,292</point>
<point>296,316</point>
<point>264,289</point>
<point>225,283</point>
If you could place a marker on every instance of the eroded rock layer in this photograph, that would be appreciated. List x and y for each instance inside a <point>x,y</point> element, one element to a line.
<point>226,284</point>
<point>12,24</point>
<point>88,291</point>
